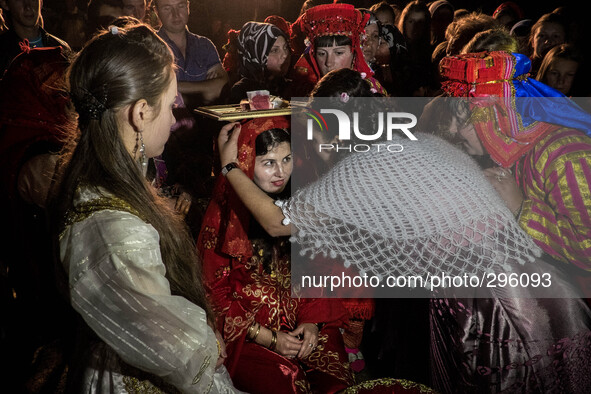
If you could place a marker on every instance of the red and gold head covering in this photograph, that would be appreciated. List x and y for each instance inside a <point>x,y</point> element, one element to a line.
<point>506,131</point>
<point>280,22</point>
<point>226,220</point>
<point>480,74</point>
<point>335,20</point>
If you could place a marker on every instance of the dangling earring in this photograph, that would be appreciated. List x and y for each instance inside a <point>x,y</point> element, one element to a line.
<point>139,145</point>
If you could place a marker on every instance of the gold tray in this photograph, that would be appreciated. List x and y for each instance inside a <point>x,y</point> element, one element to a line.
<point>233,112</point>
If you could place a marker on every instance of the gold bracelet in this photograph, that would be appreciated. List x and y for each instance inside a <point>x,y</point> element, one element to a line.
<point>273,343</point>
<point>217,341</point>
<point>249,331</point>
<point>256,334</point>
<point>249,334</point>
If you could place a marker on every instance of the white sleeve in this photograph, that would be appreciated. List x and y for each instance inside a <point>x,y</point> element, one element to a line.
<point>283,205</point>
<point>117,284</point>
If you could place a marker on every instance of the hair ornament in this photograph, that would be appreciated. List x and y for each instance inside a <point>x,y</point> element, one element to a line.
<point>88,106</point>
<point>114,30</point>
<point>363,75</point>
<point>344,97</point>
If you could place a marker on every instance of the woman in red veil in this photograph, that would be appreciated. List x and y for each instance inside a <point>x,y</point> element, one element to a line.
<point>275,342</point>
<point>334,34</point>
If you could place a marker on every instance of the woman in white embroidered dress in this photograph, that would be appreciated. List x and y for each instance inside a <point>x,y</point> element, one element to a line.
<point>129,260</point>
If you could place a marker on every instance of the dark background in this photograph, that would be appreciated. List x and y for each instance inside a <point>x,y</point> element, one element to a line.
<point>236,12</point>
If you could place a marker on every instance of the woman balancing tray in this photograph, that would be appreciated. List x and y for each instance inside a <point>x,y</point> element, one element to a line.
<point>234,112</point>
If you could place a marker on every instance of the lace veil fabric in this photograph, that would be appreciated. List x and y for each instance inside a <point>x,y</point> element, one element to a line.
<point>426,210</point>
<point>429,209</point>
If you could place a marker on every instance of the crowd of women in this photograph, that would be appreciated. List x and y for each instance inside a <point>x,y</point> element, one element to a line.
<point>157,302</point>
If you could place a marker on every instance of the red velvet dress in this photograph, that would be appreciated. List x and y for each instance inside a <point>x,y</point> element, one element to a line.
<point>243,290</point>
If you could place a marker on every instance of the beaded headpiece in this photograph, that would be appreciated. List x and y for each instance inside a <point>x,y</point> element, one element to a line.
<point>333,19</point>
<point>337,20</point>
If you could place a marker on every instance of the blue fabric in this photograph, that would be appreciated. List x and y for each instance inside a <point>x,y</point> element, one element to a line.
<point>554,107</point>
<point>200,56</point>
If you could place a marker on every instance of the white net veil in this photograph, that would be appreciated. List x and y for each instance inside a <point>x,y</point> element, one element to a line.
<point>426,210</point>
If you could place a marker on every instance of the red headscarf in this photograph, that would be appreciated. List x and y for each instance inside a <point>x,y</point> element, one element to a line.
<point>227,219</point>
<point>509,5</point>
<point>231,60</point>
<point>280,22</point>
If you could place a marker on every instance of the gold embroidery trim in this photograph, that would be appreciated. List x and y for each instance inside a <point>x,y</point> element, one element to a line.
<point>384,382</point>
<point>135,386</point>
<point>204,366</point>
<point>86,209</point>
<point>303,385</point>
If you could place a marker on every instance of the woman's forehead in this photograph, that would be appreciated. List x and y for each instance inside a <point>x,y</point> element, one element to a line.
<point>334,46</point>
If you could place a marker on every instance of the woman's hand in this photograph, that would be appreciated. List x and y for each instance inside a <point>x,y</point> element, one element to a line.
<point>287,344</point>
<point>228,143</point>
<point>180,201</point>
<point>310,340</point>
<point>505,184</point>
<point>221,349</point>
<point>183,203</point>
